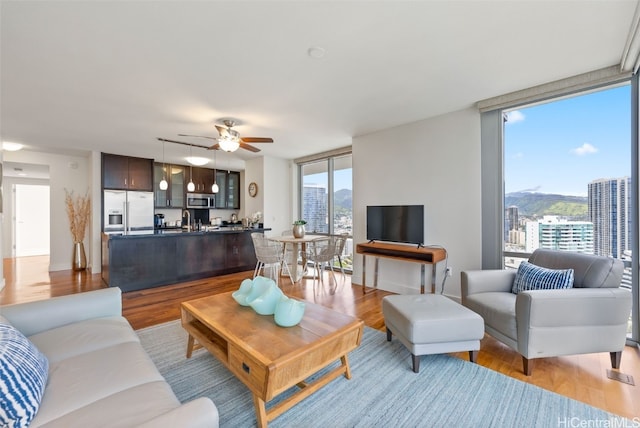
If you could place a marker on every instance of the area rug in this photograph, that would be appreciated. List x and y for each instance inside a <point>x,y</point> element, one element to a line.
<point>382,392</point>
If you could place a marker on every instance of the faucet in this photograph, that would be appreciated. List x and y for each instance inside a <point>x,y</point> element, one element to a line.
<point>188,218</point>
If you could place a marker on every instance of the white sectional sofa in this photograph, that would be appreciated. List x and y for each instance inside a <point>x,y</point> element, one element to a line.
<point>99,374</point>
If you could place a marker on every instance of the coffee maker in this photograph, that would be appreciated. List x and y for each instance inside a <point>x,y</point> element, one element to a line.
<point>158,220</point>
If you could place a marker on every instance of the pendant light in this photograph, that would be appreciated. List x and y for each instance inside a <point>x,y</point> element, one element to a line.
<point>163,183</point>
<point>190,186</point>
<point>214,187</point>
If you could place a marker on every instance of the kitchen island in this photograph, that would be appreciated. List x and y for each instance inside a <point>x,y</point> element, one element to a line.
<point>162,257</point>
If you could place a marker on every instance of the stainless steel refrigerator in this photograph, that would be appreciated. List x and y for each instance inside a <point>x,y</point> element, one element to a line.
<point>127,211</point>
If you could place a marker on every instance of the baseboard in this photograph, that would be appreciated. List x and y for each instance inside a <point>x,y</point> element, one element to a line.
<point>59,266</point>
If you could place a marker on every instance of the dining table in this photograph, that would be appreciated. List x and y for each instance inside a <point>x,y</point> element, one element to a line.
<point>299,247</point>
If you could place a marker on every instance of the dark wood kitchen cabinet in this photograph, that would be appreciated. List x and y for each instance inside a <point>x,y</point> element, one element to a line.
<point>173,197</point>
<point>126,173</point>
<point>229,195</point>
<point>202,179</point>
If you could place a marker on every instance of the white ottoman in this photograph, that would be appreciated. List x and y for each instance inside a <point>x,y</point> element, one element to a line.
<point>432,324</point>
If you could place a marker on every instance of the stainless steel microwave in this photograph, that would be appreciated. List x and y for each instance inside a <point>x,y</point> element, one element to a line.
<point>198,200</point>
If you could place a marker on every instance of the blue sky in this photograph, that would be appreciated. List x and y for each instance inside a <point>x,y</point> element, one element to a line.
<point>559,147</point>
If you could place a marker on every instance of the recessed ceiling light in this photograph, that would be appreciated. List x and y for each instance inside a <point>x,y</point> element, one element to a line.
<point>11,147</point>
<point>316,52</point>
<point>197,161</point>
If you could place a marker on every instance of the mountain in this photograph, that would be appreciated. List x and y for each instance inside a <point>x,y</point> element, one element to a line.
<point>343,199</point>
<point>540,204</point>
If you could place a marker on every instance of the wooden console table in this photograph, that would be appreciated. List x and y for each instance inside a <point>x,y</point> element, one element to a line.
<point>407,253</point>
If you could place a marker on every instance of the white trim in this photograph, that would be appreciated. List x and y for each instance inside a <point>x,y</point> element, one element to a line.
<point>630,60</point>
<point>324,155</point>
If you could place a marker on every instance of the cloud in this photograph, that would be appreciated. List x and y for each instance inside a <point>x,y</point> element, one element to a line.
<point>585,149</point>
<point>515,116</point>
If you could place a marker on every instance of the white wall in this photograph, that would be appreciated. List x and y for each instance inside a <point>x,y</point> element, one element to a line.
<point>272,175</point>
<point>277,194</point>
<point>254,172</point>
<point>435,162</point>
<point>65,172</point>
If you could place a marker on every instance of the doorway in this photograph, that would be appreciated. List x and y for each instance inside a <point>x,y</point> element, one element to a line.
<point>31,220</point>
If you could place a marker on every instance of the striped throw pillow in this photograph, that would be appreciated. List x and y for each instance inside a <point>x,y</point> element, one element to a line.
<point>532,277</point>
<point>23,377</point>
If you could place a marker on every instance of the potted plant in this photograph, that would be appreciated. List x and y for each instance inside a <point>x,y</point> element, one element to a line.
<point>298,228</point>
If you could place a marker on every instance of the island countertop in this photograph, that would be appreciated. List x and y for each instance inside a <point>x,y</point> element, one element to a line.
<point>164,232</point>
<point>153,258</point>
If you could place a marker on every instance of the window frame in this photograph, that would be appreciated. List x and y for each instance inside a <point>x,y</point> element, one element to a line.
<point>492,119</point>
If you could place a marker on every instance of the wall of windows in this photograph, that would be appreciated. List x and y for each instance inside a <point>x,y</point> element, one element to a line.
<point>569,174</point>
<point>325,196</point>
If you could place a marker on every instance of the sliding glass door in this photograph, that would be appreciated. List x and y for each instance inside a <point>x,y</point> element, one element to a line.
<point>325,199</point>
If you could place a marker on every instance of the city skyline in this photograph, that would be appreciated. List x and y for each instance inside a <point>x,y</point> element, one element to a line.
<point>561,146</point>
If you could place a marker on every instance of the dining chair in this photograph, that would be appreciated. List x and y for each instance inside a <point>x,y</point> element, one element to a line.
<point>269,255</point>
<point>321,252</point>
<point>341,240</point>
<point>289,258</point>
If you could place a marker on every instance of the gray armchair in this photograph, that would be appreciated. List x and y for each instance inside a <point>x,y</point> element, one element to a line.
<point>590,317</point>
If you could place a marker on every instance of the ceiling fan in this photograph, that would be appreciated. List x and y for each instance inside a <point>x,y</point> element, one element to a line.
<point>229,139</point>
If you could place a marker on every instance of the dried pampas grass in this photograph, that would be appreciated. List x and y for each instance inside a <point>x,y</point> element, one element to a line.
<point>78,210</point>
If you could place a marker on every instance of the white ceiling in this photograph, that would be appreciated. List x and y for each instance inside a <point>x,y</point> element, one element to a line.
<point>113,75</point>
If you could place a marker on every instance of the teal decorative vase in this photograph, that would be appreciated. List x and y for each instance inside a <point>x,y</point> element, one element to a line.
<point>264,296</point>
<point>289,312</point>
<point>241,294</point>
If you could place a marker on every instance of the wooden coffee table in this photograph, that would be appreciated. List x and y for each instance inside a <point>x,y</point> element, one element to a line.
<point>267,358</point>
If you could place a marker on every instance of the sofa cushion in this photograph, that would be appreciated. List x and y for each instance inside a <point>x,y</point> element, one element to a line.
<point>86,378</point>
<point>498,309</point>
<point>84,336</point>
<point>23,377</point>
<point>128,408</point>
<point>589,271</point>
<point>532,277</point>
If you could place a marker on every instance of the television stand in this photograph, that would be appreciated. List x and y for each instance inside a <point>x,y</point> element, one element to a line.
<point>423,255</point>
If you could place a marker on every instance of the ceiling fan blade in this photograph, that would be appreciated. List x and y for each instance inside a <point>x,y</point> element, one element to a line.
<point>257,140</point>
<point>214,147</point>
<point>249,147</point>
<point>198,136</point>
<point>181,142</point>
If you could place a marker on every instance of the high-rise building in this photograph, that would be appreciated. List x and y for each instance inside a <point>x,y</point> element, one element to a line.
<point>610,212</point>
<point>510,222</point>
<point>557,234</point>
<point>315,208</point>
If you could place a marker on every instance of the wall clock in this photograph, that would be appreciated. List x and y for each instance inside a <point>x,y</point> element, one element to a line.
<point>253,189</point>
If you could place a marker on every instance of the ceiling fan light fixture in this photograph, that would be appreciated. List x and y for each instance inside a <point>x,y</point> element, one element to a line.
<point>229,144</point>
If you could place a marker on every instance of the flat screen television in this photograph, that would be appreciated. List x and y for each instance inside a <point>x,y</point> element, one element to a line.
<point>396,223</point>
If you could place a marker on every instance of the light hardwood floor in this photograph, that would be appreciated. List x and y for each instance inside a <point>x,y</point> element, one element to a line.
<point>581,377</point>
